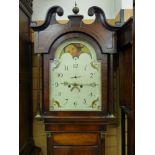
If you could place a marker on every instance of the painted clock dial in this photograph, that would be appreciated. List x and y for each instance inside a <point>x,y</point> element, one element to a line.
<point>75,78</point>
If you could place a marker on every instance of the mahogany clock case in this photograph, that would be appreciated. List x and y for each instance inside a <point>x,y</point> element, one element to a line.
<point>50,56</point>
<point>103,38</point>
<point>79,132</point>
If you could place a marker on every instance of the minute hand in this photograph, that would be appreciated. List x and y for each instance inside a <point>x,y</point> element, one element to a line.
<point>78,84</point>
<point>91,84</point>
<point>86,84</point>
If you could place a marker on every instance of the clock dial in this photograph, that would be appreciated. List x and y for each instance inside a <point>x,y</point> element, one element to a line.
<point>75,78</point>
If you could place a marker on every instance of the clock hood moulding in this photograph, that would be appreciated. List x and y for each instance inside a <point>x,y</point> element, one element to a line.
<point>51,30</point>
<point>51,18</point>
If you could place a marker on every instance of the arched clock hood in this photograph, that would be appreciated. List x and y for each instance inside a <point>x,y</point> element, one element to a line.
<point>99,30</point>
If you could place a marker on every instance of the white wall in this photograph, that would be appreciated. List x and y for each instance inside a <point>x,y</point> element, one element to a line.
<point>110,7</point>
<point>127,4</point>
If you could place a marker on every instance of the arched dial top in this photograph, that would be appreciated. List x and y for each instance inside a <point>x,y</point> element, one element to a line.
<point>75,78</point>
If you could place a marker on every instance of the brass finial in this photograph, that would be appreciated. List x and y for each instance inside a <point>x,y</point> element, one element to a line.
<point>75,4</point>
<point>75,9</point>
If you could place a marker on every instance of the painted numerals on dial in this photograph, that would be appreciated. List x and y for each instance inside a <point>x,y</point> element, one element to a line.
<point>66,101</point>
<point>92,75</point>
<point>84,101</point>
<point>60,75</point>
<point>76,79</point>
<point>66,68</point>
<point>75,103</point>
<point>56,84</point>
<point>85,68</point>
<point>91,94</point>
<point>59,93</point>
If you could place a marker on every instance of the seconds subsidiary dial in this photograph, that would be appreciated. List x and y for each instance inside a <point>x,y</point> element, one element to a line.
<point>75,78</point>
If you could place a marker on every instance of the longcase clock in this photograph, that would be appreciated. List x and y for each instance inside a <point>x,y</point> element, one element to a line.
<point>78,89</point>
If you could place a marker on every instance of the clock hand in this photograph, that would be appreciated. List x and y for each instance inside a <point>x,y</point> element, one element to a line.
<point>86,84</point>
<point>79,84</point>
<point>75,77</point>
<point>74,85</point>
<point>68,84</point>
<point>90,84</point>
<point>65,83</point>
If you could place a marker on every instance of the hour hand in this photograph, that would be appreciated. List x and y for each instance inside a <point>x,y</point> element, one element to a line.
<point>67,84</point>
<point>75,77</point>
<point>72,86</point>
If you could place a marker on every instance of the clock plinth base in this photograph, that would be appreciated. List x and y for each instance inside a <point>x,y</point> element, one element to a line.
<point>77,139</point>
